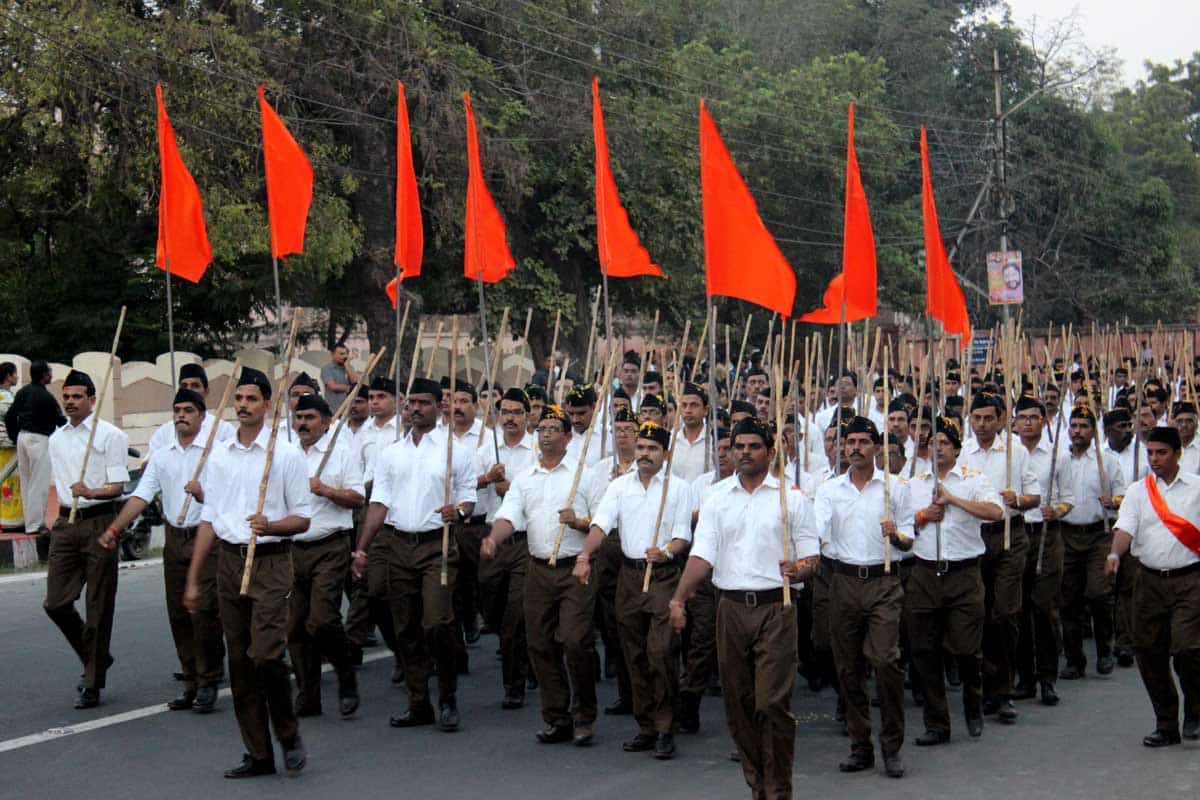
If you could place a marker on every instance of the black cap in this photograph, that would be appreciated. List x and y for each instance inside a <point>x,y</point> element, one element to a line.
<point>652,377</point>
<point>535,392</point>
<point>466,387</point>
<point>631,357</point>
<point>988,400</point>
<point>515,395</point>
<point>742,407</point>
<point>583,394</point>
<point>77,378</point>
<point>551,411</point>
<point>426,386</point>
<point>314,402</point>
<point>1183,407</point>
<point>753,426</point>
<point>624,415</point>
<point>1028,401</point>
<point>862,425</point>
<point>620,394</point>
<point>695,389</point>
<point>304,379</point>
<point>655,433</point>
<point>1167,436</point>
<point>193,371</point>
<point>1117,415</point>
<point>951,427</point>
<point>383,384</point>
<point>897,404</point>
<point>364,393</point>
<point>252,377</point>
<point>189,396</point>
<point>1084,413</point>
<point>654,401</point>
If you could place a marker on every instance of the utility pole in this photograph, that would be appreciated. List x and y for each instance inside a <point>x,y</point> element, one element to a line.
<point>1000,150</point>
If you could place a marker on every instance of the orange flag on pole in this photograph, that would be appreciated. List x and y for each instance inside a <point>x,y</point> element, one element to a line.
<point>289,182</point>
<point>856,285</point>
<point>182,237</point>
<point>410,236</point>
<point>741,258</point>
<point>943,296</point>
<point>485,253</point>
<point>621,253</point>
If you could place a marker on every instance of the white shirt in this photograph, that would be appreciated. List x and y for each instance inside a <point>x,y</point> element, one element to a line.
<point>342,471</point>
<point>1153,543</point>
<point>166,472</point>
<point>472,437</point>
<point>1040,459</point>
<point>1189,458</point>
<point>516,460</point>
<point>575,446</point>
<point>231,478</point>
<point>632,508</point>
<point>110,451</point>
<point>921,465</point>
<point>410,479</point>
<point>164,435</point>
<point>533,502</point>
<point>688,460</point>
<point>1084,476</point>
<point>740,534</point>
<point>848,520</point>
<point>961,535</point>
<point>703,486</point>
<point>599,477</point>
<point>1126,457</point>
<point>991,462</point>
<point>372,438</point>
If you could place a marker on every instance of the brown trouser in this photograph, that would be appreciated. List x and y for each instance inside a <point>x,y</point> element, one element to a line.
<point>1126,580</point>
<point>650,644</point>
<point>76,560</point>
<point>256,629</point>
<point>504,577</point>
<point>605,567</point>
<point>865,631</point>
<point>945,612</point>
<point>467,590</point>
<point>197,634</point>
<point>1086,590</point>
<point>316,615</point>
<point>558,624</point>
<point>756,651</point>
<point>1166,613</point>
<point>369,600</point>
<point>1002,571</point>
<point>700,638</point>
<point>422,610</point>
<point>1041,635</point>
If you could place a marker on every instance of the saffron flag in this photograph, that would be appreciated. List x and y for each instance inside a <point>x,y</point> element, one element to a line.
<point>943,296</point>
<point>289,182</point>
<point>621,253</point>
<point>741,258</point>
<point>856,285</point>
<point>392,289</point>
<point>182,237</point>
<point>410,236</point>
<point>485,252</point>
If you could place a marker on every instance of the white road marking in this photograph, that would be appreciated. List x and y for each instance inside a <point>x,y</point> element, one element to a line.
<point>41,576</point>
<point>51,734</point>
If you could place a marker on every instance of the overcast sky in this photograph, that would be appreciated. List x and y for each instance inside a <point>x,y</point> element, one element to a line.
<point>1158,30</point>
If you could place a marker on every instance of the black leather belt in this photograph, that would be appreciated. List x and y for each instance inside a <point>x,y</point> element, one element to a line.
<point>479,519</point>
<point>1091,527</point>
<point>414,537</point>
<point>861,571</point>
<point>639,564</point>
<point>991,528</point>
<point>752,599</point>
<point>1171,573</point>
<point>182,533</point>
<point>98,510</point>
<point>563,562</point>
<point>317,542</point>
<point>260,549</point>
<point>944,566</point>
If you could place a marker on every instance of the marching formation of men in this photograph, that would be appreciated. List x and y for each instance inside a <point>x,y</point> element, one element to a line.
<point>883,540</point>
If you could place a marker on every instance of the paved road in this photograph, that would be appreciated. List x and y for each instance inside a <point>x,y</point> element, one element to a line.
<point>1087,747</point>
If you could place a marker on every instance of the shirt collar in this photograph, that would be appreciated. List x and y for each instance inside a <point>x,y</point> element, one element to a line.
<point>262,440</point>
<point>566,463</point>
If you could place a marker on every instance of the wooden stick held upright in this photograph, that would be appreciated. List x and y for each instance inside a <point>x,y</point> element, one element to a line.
<point>212,437</point>
<point>553,355</point>
<point>394,371</point>
<point>662,500</point>
<point>437,344</point>
<point>525,341</point>
<point>887,467</point>
<point>737,369</point>
<point>339,419</point>
<point>445,574</point>
<point>280,400</point>
<point>781,456</point>
<point>112,355</point>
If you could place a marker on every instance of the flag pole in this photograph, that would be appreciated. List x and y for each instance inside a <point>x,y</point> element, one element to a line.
<point>278,312</point>
<point>837,400</point>
<point>487,361</point>
<point>171,325</point>
<point>609,417</point>
<point>711,447</point>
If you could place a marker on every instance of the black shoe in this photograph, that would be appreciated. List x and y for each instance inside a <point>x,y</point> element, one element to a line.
<point>857,762</point>
<point>641,743</point>
<point>664,747</point>
<point>953,680</point>
<point>1105,665</point>
<point>1006,713</point>
<point>1049,696</point>
<point>1124,658</point>
<point>294,756</point>
<point>1161,739</point>
<point>918,696</point>
<point>347,691</point>
<point>397,674</point>
<point>1025,690</point>
<point>415,715</point>
<point>531,684</point>
<point>583,734</point>
<point>990,706</point>
<point>371,641</point>
<point>348,703</point>
<point>734,755</point>
<point>251,768</point>
<point>448,717</point>
<point>471,635</point>
<point>88,698</point>
<point>512,700</point>
<point>1191,728</point>
<point>556,734</point>
<point>185,700</point>
<point>354,655</point>
<point>620,708</point>
<point>1071,673</point>
<point>688,720</point>
<point>975,727</point>
<point>306,707</point>
<point>206,700</point>
<point>932,738</point>
<point>893,766</point>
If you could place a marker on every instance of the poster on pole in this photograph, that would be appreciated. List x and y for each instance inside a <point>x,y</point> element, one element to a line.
<point>1006,280</point>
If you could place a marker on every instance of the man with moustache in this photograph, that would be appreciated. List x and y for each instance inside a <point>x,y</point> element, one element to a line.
<point>580,405</point>
<point>321,561</point>
<point>653,514</point>
<point>255,624</point>
<point>84,552</point>
<point>168,472</point>
<point>195,379</point>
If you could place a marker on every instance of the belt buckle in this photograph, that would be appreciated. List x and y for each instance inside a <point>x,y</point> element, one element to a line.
<point>414,538</point>
<point>751,599</point>
<point>1164,573</point>
<point>942,567</point>
<point>864,572</point>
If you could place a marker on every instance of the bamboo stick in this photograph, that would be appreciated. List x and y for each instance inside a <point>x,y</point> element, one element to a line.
<point>212,436</point>
<point>446,496</point>
<point>112,355</point>
<point>339,418</point>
